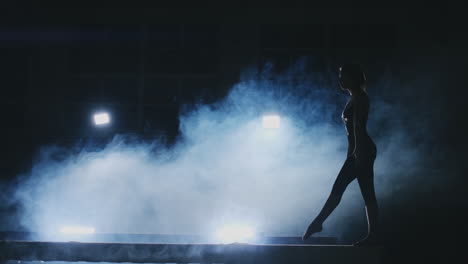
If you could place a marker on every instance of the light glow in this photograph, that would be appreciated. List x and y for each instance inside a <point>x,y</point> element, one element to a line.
<point>271,121</point>
<point>77,230</point>
<point>101,118</point>
<point>235,233</point>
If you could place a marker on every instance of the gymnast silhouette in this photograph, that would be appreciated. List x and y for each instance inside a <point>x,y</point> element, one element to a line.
<point>360,158</point>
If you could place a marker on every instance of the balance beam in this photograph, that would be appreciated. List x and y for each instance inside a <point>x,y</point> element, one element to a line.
<point>160,238</point>
<point>186,253</point>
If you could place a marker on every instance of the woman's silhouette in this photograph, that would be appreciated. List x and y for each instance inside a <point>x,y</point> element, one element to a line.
<point>361,154</point>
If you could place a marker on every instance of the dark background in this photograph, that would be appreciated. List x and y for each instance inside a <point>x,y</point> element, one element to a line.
<point>145,65</point>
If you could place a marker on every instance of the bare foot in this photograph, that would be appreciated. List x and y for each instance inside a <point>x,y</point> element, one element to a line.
<point>312,229</point>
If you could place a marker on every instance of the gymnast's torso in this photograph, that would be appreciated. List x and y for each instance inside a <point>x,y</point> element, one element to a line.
<point>368,145</point>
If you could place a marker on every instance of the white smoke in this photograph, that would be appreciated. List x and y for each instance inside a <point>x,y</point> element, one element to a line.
<point>226,168</point>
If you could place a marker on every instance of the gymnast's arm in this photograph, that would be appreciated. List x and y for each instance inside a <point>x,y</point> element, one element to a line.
<point>360,112</point>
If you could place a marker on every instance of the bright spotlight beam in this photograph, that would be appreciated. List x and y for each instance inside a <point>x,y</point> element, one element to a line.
<point>271,121</point>
<point>231,234</point>
<point>77,230</point>
<point>101,119</point>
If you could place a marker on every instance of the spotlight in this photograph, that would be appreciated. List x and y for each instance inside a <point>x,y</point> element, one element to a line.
<point>271,121</point>
<point>77,230</point>
<point>101,118</point>
<point>231,234</point>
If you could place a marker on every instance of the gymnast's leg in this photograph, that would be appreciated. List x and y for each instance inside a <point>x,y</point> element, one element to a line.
<point>345,177</point>
<point>366,183</point>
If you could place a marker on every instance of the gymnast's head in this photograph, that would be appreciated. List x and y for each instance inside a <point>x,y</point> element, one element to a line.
<point>352,77</point>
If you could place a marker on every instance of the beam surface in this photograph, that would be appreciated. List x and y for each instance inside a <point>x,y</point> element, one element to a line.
<point>158,238</point>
